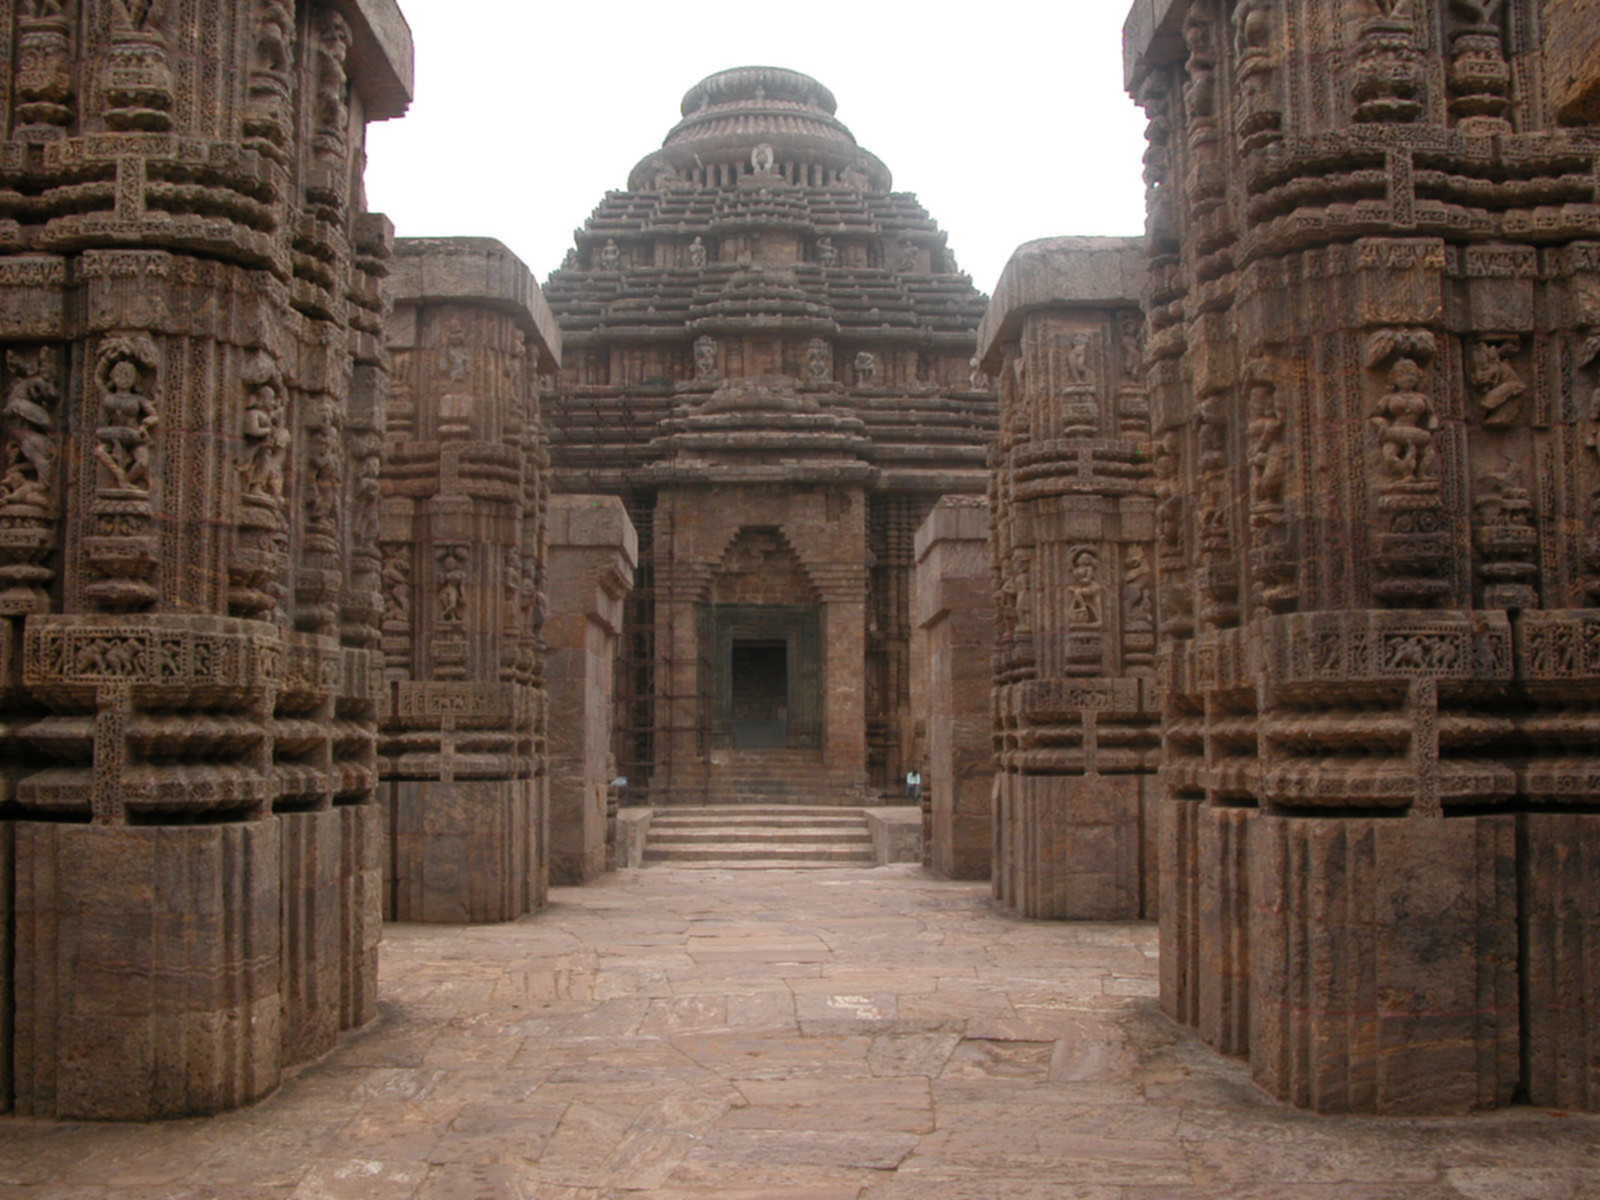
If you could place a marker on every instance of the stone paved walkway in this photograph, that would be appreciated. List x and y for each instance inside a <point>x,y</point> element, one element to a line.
<point>786,1035</point>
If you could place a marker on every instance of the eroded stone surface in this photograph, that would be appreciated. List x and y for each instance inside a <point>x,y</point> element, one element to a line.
<point>650,1035</point>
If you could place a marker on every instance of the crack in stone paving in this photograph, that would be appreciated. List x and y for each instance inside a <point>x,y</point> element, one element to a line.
<point>995,1059</point>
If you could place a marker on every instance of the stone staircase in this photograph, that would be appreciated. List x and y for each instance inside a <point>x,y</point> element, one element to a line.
<point>766,777</point>
<point>751,836</point>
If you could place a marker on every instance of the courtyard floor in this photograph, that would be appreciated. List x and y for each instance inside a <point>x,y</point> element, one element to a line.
<point>786,1035</point>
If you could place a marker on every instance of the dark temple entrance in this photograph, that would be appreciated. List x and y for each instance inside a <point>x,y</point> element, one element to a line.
<point>760,695</point>
<point>767,678</point>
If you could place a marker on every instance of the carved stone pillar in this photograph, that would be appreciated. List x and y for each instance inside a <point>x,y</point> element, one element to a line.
<point>1074,526</point>
<point>593,552</point>
<point>953,609</point>
<point>1373,396</point>
<point>188,780</point>
<point>462,531</point>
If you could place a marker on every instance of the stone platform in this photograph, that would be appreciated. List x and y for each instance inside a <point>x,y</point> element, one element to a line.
<point>787,1035</point>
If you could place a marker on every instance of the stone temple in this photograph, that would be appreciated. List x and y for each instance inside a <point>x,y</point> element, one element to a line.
<point>768,358</point>
<point>1235,590</point>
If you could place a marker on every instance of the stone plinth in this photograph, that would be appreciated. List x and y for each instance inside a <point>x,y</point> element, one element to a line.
<point>148,979</point>
<point>1073,540</point>
<point>593,552</point>
<point>1377,534</point>
<point>464,588</point>
<point>193,405</point>
<point>953,610</point>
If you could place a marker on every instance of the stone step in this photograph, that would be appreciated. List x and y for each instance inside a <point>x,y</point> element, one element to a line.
<point>722,834</point>
<point>758,864</point>
<point>757,810</point>
<point>759,821</point>
<point>739,851</point>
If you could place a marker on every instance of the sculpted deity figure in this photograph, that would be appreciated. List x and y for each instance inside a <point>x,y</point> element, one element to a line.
<point>396,585</point>
<point>1269,457</point>
<point>705,358</point>
<point>1138,610</point>
<point>697,253</point>
<point>908,257</point>
<point>867,368</point>
<point>1169,496</point>
<point>978,377</point>
<point>322,506</point>
<point>610,256</point>
<point>1406,423</point>
<point>763,158</point>
<point>453,586</point>
<point>819,361</point>
<point>266,442</point>
<point>129,416</point>
<point>29,423</point>
<point>1130,333</point>
<point>1085,599</point>
<point>1497,380</point>
<point>827,255</point>
<point>455,359</point>
<point>1078,366</point>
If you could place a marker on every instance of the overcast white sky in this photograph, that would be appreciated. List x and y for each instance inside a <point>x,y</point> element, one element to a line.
<point>1008,120</point>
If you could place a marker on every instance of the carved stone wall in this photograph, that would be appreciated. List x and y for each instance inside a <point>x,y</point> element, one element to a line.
<point>1074,542</point>
<point>462,538</point>
<point>593,553</point>
<point>191,307</point>
<point>1374,365</point>
<point>953,609</point>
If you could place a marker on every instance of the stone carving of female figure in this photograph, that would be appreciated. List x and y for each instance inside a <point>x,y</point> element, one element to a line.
<point>1269,457</point>
<point>129,417</point>
<point>697,253</point>
<point>1406,423</point>
<point>30,425</point>
<point>268,441</point>
<point>1085,608</point>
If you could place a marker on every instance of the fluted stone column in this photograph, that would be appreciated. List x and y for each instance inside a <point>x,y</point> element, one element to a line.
<point>1374,352</point>
<point>593,553</point>
<point>462,536</point>
<point>1074,527</point>
<point>193,408</point>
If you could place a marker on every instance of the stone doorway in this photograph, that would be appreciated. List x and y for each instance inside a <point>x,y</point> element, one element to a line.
<point>759,679</point>
<point>767,677</point>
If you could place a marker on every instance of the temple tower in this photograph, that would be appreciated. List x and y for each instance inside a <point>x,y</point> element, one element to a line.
<point>192,306</point>
<point>768,358</point>
<point>1374,367</point>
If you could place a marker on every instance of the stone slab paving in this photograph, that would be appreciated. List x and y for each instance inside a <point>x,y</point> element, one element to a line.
<point>786,1035</point>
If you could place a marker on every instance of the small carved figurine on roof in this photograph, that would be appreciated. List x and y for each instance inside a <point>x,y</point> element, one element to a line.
<point>697,253</point>
<point>763,158</point>
<point>827,255</point>
<point>867,368</point>
<point>610,256</point>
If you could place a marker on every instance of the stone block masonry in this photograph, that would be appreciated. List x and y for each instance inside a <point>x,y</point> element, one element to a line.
<point>1373,362</point>
<point>461,530</point>
<point>1074,543</point>
<point>593,553</point>
<point>953,611</point>
<point>191,305</point>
